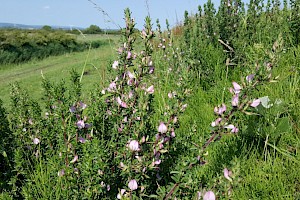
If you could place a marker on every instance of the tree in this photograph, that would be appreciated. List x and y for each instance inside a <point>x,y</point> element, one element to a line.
<point>47,28</point>
<point>93,29</point>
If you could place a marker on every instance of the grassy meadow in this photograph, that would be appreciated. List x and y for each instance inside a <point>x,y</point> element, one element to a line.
<point>205,110</point>
<point>30,74</point>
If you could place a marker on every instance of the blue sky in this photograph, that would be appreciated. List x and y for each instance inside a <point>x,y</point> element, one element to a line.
<point>83,13</point>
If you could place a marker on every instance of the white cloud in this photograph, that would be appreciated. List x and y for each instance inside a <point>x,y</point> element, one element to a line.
<point>46,7</point>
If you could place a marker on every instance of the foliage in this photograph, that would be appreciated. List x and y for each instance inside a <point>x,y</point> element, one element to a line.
<point>92,29</point>
<point>17,46</point>
<point>208,110</point>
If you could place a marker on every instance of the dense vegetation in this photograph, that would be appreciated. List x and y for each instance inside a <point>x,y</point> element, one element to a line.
<point>207,110</point>
<point>17,46</point>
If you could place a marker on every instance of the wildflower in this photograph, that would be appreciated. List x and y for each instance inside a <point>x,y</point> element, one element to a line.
<point>128,55</point>
<point>132,184</point>
<point>209,196</point>
<point>232,128</point>
<point>173,134</point>
<point>82,140</point>
<point>130,95</point>
<point>216,122</point>
<point>235,100</point>
<point>72,109</point>
<point>227,174</point>
<point>80,124</point>
<point>115,64</point>
<point>162,128</point>
<point>220,110</point>
<point>120,50</point>
<point>170,95</point>
<point>36,141</point>
<point>130,75</point>
<point>157,162</point>
<point>134,145</point>
<point>249,78</point>
<point>61,173</point>
<point>30,121</point>
<point>112,86</point>
<point>151,70</point>
<point>255,103</point>
<point>184,107</point>
<point>236,88</point>
<point>150,89</point>
<point>82,105</point>
<point>199,195</point>
<point>121,103</point>
<point>119,196</point>
<point>144,34</point>
<point>74,159</point>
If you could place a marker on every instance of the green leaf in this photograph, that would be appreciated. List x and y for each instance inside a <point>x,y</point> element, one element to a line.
<point>283,125</point>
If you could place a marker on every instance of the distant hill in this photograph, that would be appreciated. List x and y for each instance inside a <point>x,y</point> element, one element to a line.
<point>25,26</point>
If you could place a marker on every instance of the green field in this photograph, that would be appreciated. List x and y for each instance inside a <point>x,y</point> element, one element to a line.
<point>29,75</point>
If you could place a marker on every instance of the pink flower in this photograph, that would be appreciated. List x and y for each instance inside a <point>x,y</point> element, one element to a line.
<point>72,109</point>
<point>237,88</point>
<point>74,159</point>
<point>36,141</point>
<point>134,145</point>
<point>119,196</point>
<point>81,140</point>
<point>173,134</point>
<point>80,124</point>
<point>130,95</point>
<point>232,128</point>
<point>220,110</point>
<point>184,107</point>
<point>132,184</point>
<point>82,105</point>
<point>112,86</point>
<point>151,70</point>
<point>150,89</point>
<point>227,174</point>
<point>144,34</point>
<point>249,78</point>
<point>130,75</point>
<point>235,100</point>
<point>157,162</point>
<point>255,103</point>
<point>121,103</point>
<point>115,64</point>
<point>209,196</point>
<point>61,173</point>
<point>216,122</point>
<point>128,55</point>
<point>162,128</point>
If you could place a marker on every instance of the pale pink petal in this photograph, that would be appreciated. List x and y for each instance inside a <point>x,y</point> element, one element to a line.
<point>132,184</point>
<point>134,145</point>
<point>235,100</point>
<point>150,89</point>
<point>255,103</point>
<point>209,196</point>
<point>162,128</point>
<point>115,64</point>
<point>227,174</point>
<point>237,87</point>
